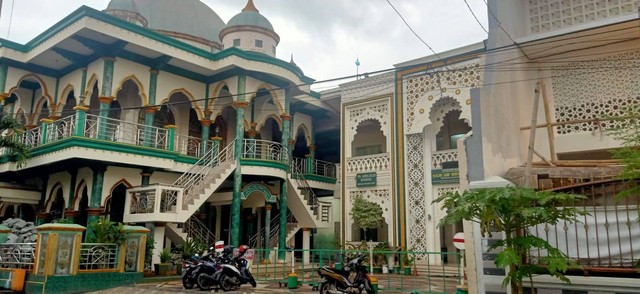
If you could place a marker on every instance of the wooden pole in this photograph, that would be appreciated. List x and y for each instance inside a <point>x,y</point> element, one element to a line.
<point>547,113</point>
<point>532,136</point>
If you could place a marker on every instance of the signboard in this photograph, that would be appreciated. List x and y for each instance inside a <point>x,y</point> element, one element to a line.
<point>366,179</point>
<point>458,240</point>
<point>445,176</point>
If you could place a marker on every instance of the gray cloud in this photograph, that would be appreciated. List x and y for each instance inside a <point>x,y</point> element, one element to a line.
<point>324,36</point>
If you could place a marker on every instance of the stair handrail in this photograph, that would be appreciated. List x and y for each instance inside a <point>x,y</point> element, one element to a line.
<point>200,171</point>
<point>257,239</point>
<point>199,231</point>
<point>312,199</point>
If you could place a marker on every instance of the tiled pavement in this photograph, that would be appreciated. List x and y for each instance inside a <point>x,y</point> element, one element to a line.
<point>176,288</point>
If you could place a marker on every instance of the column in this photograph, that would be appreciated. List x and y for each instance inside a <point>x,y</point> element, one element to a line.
<point>95,202</point>
<point>218,220</point>
<point>44,129</point>
<point>146,176</point>
<point>237,176</point>
<point>267,231</point>
<point>105,106</point>
<point>309,158</point>
<point>81,118</point>
<point>158,237</point>
<point>70,213</point>
<point>107,76</point>
<point>149,117</point>
<point>306,245</point>
<point>206,132</point>
<point>282,236</point>
<point>171,137</point>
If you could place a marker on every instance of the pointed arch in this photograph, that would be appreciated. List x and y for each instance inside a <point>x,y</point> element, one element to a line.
<point>121,181</point>
<point>189,96</point>
<point>52,195</point>
<point>136,81</point>
<point>275,117</point>
<point>93,80</point>
<point>272,92</point>
<point>77,195</point>
<point>43,85</point>
<point>65,92</point>
<point>38,109</point>
<point>21,117</point>
<point>305,130</point>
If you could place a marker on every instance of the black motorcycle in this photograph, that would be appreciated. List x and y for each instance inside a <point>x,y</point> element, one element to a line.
<point>232,276</point>
<point>337,281</point>
<point>188,267</point>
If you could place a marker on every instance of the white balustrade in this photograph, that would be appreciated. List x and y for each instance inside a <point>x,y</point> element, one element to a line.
<point>188,145</point>
<point>265,150</point>
<point>369,163</point>
<point>438,157</point>
<point>115,130</point>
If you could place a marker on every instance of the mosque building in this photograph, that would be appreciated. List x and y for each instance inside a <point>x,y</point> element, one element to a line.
<point>157,112</point>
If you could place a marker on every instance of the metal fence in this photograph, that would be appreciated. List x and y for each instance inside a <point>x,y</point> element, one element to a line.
<point>428,276</point>
<point>98,256</point>
<point>17,255</point>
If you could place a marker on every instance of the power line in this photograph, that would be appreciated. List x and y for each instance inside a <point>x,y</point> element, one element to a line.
<point>474,16</point>
<point>414,32</point>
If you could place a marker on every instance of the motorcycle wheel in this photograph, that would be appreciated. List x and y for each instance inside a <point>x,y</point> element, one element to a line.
<point>186,282</point>
<point>252,281</point>
<point>203,283</point>
<point>368,287</point>
<point>326,286</point>
<point>225,283</point>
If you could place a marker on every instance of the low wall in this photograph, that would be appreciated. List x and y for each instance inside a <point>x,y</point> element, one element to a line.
<point>80,283</point>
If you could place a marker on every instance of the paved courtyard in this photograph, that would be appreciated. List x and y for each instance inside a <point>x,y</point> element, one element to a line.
<point>176,287</point>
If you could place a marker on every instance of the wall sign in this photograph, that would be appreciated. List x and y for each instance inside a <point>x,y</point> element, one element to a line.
<point>366,179</point>
<point>445,176</point>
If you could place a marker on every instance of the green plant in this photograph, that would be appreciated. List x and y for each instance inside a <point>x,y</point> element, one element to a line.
<point>513,210</point>
<point>629,134</point>
<point>381,250</point>
<point>407,260</point>
<point>63,221</point>
<point>165,255</point>
<point>106,231</point>
<point>18,151</point>
<point>191,247</point>
<point>149,247</point>
<point>366,214</point>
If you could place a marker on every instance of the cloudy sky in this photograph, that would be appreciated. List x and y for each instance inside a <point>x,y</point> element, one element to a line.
<point>324,36</point>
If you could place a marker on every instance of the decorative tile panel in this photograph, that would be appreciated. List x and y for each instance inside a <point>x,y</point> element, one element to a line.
<point>550,15</point>
<point>595,89</point>
<point>417,217</point>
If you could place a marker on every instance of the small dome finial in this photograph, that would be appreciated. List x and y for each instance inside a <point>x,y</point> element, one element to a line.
<point>292,62</point>
<point>250,7</point>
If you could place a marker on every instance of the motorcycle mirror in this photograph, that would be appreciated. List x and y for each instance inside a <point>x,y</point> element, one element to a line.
<point>197,255</point>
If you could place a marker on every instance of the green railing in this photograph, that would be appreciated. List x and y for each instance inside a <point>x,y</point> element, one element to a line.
<point>426,273</point>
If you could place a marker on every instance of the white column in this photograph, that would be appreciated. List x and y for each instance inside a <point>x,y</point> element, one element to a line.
<point>218,219</point>
<point>158,237</point>
<point>306,245</point>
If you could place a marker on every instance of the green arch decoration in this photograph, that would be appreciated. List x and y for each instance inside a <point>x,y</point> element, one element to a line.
<point>258,187</point>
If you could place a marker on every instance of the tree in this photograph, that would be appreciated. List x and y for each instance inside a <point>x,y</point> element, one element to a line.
<point>629,135</point>
<point>17,150</point>
<point>366,214</point>
<point>514,210</point>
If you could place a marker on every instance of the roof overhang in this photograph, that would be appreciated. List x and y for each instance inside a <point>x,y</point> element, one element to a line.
<point>566,43</point>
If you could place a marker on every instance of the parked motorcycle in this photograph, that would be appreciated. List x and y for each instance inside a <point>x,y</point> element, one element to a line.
<point>208,273</point>
<point>188,267</point>
<point>232,276</point>
<point>337,281</point>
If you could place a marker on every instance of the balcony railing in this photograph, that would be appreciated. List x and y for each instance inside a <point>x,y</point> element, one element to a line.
<point>439,157</point>
<point>264,150</point>
<point>112,130</point>
<point>369,163</point>
<point>317,167</point>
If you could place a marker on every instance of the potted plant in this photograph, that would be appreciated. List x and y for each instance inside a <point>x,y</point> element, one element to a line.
<point>380,252</point>
<point>163,267</point>
<point>407,262</point>
<point>187,250</point>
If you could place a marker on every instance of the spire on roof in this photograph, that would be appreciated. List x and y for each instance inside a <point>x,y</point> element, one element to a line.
<point>292,62</point>
<point>250,7</point>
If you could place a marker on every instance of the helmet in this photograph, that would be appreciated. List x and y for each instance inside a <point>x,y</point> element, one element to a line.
<point>243,248</point>
<point>227,250</point>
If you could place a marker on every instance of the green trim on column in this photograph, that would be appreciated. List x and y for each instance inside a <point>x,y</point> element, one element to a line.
<point>286,132</point>
<point>206,129</point>
<point>237,176</point>
<point>171,137</point>
<point>102,120</point>
<point>107,76</point>
<point>153,84</point>
<point>43,192</point>
<point>267,232</point>
<point>44,129</point>
<point>72,187</point>
<point>4,69</point>
<point>81,117</point>
<point>206,97</point>
<point>83,83</point>
<point>96,186</point>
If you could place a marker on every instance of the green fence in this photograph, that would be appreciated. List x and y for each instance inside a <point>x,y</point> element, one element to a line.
<point>406,271</point>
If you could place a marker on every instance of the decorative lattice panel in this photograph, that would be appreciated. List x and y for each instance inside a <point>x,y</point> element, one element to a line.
<point>378,162</point>
<point>595,89</point>
<point>417,217</point>
<point>417,87</point>
<point>444,190</point>
<point>549,15</point>
<point>378,112</point>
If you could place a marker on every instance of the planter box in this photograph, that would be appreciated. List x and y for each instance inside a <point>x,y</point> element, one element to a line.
<point>407,271</point>
<point>161,269</point>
